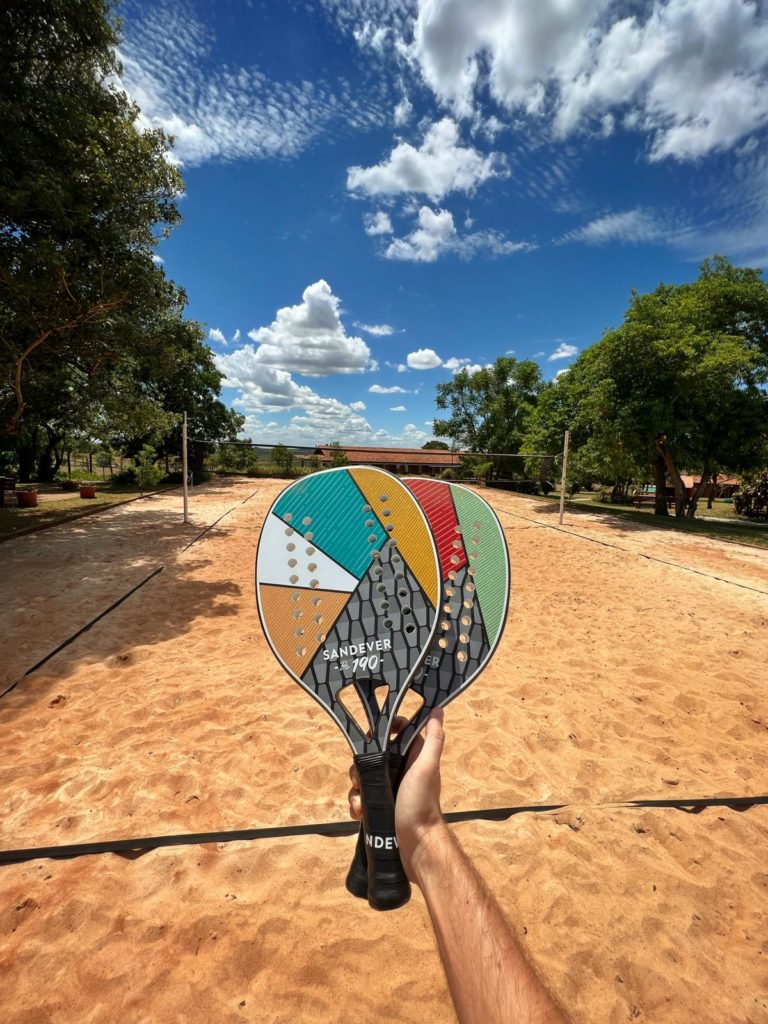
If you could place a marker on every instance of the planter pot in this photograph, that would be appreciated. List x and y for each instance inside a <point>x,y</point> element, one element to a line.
<point>87,490</point>
<point>26,499</point>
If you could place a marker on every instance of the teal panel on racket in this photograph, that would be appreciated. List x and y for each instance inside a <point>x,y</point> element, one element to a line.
<point>326,499</point>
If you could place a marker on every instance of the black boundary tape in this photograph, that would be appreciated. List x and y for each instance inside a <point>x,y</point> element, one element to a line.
<point>347,828</point>
<point>124,597</point>
<point>638,554</point>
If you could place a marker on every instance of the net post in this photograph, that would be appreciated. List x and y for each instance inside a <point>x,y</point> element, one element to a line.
<point>185,485</point>
<point>566,444</point>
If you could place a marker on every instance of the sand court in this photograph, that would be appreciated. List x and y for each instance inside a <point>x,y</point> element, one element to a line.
<point>620,677</point>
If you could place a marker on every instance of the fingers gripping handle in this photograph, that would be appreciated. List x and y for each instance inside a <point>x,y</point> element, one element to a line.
<point>357,877</point>
<point>388,887</point>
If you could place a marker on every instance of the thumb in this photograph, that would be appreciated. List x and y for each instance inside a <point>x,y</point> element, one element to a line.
<point>434,738</point>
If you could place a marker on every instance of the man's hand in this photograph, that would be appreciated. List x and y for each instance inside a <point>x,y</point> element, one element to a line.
<point>418,819</point>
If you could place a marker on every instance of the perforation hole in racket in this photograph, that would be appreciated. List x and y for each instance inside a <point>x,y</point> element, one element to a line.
<point>353,704</point>
<point>411,705</point>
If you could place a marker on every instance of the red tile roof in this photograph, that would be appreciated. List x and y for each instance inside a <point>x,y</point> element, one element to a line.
<point>357,454</point>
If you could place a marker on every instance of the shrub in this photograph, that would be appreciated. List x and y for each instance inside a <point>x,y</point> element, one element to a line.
<point>148,473</point>
<point>127,476</point>
<point>69,485</point>
<point>447,474</point>
<point>751,499</point>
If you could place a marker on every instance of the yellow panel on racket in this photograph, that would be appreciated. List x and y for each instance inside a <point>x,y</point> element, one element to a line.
<point>411,527</point>
<point>301,607</point>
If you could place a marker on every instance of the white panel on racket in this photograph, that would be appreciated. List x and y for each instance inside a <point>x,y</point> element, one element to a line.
<point>288,560</point>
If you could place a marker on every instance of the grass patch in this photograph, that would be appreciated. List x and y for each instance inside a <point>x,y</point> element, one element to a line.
<point>739,530</point>
<point>18,520</point>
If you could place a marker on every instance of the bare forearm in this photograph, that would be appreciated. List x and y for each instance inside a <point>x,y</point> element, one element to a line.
<point>489,977</point>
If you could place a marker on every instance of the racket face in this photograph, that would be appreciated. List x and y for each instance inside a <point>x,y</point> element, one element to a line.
<point>347,589</point>
<point>475,586</point>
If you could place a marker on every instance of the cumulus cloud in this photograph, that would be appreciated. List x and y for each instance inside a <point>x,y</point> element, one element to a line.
<point>436,234</point>
<point>378,223</point>
<point>690,75</point>
<point>357,406</point>
<point>377,389</point>
<point>397,408</point>
<point>379,330</point>
<point>214,334</point>
<point>441,165</point>
<point>563,351</point>
<point>636,225</point>
<point>424,359</point>
<point>309,338</point>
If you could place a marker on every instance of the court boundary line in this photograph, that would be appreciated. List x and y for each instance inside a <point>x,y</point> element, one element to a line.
<point>637,554</point>
<point>116,604</point>
<point>332,829</point>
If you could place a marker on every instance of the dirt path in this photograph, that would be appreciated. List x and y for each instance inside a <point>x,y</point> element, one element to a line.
<point>620,676</point>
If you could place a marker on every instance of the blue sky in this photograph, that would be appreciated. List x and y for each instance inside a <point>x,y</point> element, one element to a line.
<point>379,192</point>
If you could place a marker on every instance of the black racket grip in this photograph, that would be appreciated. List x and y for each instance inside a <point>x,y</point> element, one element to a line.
<point>357,876</point>
<point>388,886</point>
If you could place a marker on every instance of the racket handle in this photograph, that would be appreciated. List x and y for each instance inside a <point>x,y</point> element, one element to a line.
<point>388,886</point>
<point>357,876</point>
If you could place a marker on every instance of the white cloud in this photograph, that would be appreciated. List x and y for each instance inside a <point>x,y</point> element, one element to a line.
<point>424,359</point>
<point>436,234</point>
<point>309,338</point>
<point>377,389</point>
<point>214,334</point>
<point>636,225</point>
<point>403,111</point>
<point>473,368</point>
<point>357,406</point>
<point>563,351</point>
<point>440,166</point>
<point>236,336</point>
<point>157,260</point>
<point>455,364</point>
<point>397,408</point>
<point>218,111</point>
<point>379,330</point>
<point>560,373</point>
<point>689,74</point>
<point>378,223</point>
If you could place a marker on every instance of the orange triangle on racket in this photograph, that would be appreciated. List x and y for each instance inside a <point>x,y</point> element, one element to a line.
<point>309,614</point>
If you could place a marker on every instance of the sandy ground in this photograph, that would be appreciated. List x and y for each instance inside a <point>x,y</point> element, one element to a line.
<point>621,676</point>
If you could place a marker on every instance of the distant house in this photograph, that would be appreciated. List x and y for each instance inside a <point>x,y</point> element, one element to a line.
<point>412,461</point>
<point>724,486</point>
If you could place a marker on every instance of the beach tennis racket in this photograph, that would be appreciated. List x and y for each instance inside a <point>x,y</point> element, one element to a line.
<point>475,587</point>
<point>347,588</point>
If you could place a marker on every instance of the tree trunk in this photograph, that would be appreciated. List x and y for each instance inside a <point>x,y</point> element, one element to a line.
<point>26,456</point>
<point>660,481</point>
<point>705,478</point>
<point>712,490</point>
<point>681,499</point>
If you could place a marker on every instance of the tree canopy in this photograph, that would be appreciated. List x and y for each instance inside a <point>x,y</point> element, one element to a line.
<point>489,409</point>
<point>92,333</point>
<point>679,386</point>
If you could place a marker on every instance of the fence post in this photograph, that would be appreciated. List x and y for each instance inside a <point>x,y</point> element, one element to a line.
<point>562,478</point>
<point>185,486</point>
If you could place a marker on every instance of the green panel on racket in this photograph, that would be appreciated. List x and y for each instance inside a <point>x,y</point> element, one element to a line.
<point>347,585</point>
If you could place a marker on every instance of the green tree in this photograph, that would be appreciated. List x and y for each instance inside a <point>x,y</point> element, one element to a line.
<point>84,197</point>
<point>680,385</point>
<point>282,457</point>
<point>436,446</point>
<point>148,473</point>
<point>490,409</point>
<point>338,455</point>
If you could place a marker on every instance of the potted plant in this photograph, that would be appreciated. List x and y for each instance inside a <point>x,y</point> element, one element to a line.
<point>26,497</point>
<point>87,490</point>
